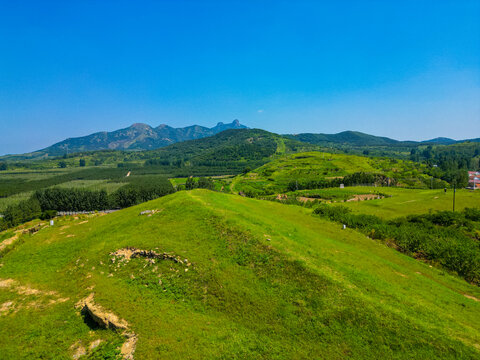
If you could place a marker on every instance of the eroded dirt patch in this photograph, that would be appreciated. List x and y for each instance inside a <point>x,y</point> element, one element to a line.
<point>365,197</point>
<point>109,320</point>
<point>43,298</point>
<point>471,297</point>
<point>8,242</point>
<point>131,252</point>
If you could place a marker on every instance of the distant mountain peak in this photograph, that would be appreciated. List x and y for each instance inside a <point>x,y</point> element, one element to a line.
<point>139,126</point>
<point>138,136</point>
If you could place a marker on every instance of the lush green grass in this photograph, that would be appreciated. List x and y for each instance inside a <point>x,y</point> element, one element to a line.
<point>266,281</point>
<point>412,201</point>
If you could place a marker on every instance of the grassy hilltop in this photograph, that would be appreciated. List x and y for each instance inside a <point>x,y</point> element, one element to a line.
<point>260,280</point>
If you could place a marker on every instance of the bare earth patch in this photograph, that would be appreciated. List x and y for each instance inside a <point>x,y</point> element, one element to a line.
<point>471,297</point>
<point>47,297</point>
<point>131,252</point>
<point>6,307</point>
<point>8,241</point>
<point>109,320</point>
<point>365,197</point>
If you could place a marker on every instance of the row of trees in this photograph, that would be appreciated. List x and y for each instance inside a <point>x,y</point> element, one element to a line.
<point>45,203</point>
<point>359,178</point>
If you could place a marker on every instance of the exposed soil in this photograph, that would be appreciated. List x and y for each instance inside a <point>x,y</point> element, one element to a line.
<point>6,307</point>
<point>47,298</point>
<point>365,197</point>
<point>8,241</point>
<point>108,320</point>
<point>131,252</point>
<point>471,297</point>
<point>305,199</point>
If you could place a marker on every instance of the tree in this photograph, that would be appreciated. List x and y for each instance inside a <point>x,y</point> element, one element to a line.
<point>3,166</point>
<point>246,170</point>
<point>190,184</point>
<point>62,164</point>
<point>205,183</point>
<point>82,162</point>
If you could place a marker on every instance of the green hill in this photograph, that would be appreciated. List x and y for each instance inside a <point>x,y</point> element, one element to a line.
<point>354,138</point>
<point>240,278</point>
<point>302,168</point>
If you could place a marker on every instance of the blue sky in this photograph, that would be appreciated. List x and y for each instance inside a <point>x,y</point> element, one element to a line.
<point>403,69</point>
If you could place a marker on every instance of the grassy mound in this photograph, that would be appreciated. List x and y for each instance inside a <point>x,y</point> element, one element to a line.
<point>233,278</point>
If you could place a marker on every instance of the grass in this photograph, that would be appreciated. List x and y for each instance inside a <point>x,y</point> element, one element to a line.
<point>404,202</point>
<point>266,281</point>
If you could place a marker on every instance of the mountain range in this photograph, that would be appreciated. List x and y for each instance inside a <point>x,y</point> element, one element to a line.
<point>141,136</point>
<point>138,136</point>
<point>356,138</point>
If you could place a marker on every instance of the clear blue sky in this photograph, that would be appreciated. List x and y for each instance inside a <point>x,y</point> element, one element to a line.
<point>403,69</point>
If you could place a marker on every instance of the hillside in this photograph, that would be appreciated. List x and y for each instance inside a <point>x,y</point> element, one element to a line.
<point>255,279</point>
<point>136,137</point>
<point>303,168</point>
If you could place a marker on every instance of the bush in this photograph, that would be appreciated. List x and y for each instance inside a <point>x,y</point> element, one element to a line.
<point>205,183</point>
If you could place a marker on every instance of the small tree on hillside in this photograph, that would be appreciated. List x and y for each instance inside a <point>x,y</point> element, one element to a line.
<point>190,184</point>
<point>82,162</point>
<point>205,183</point>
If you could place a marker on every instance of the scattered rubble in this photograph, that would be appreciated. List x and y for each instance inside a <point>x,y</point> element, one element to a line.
<point>150,212</point>
<point>131,252</point>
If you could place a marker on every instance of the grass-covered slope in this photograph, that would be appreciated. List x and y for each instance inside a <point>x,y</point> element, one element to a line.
<point>275,176</point>
<point>403,202</point>
<point>264,281</point>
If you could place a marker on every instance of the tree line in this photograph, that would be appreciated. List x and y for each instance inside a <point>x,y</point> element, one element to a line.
<point>358,178</point>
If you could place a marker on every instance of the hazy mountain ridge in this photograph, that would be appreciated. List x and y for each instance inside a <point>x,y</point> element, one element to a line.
<point>356,138</point>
